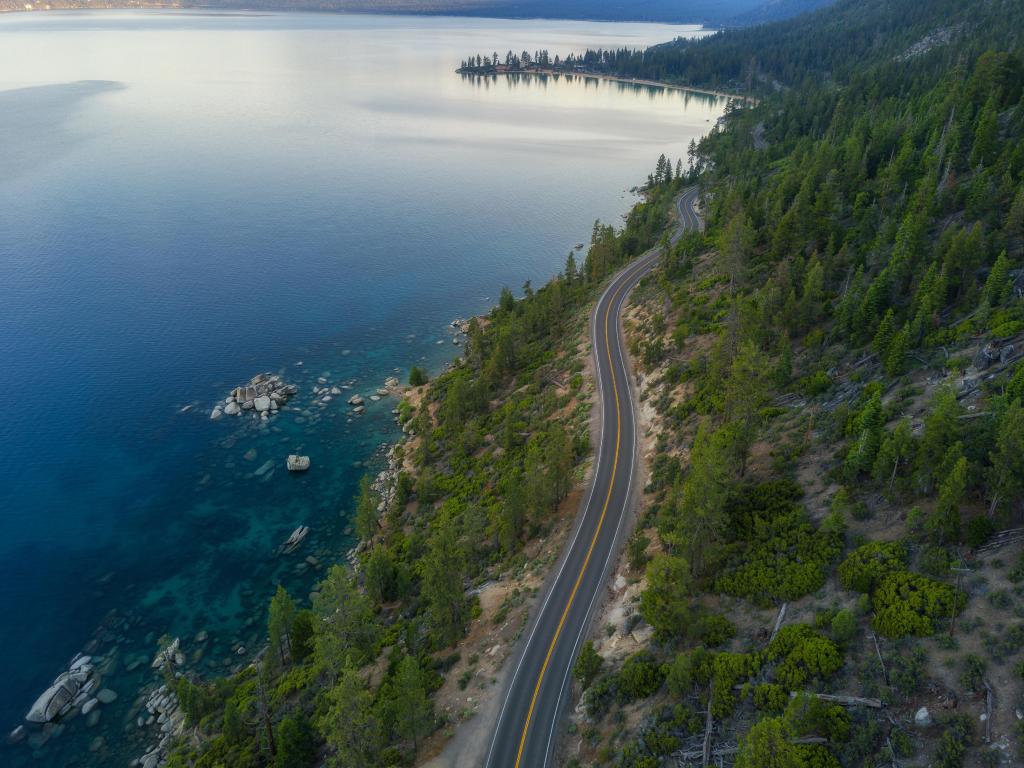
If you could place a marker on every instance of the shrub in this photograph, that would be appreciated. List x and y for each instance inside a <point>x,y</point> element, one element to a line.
<point>778,554</point>
<point>770,697</point>
<point>972,677</point>
<point>713,630</point>
<point>907,669</point>
<point>588,665</point>
<point>844,626</point>
<point>910,604</point>
<point>866,566</point>
<point>979,530</point>
<point>803,654</point>
<point>641,676</point>
<point>729,670</point>
<point>934,560</point>
<point>599,696</point>
<point>953,745</point>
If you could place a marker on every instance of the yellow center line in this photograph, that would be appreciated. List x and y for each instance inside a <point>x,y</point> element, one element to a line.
<point>593,541</point>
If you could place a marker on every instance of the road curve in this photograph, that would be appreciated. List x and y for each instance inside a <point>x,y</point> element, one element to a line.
<point>525,734</point>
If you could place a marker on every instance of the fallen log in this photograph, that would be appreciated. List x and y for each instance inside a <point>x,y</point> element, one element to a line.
<point>846,701</point>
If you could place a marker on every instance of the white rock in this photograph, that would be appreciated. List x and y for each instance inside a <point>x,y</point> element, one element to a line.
<point>923,718</point>
<point>296,463</point>
<point>89,706</point>
<point>216,413</point>
<point>232,409</point>
<point>261,404</point>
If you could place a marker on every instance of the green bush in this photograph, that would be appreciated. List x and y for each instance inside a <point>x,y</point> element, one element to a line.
<point>777,554</point>
<point>588,665</point>
<point>953,745</point>
<point>641,676</point>
<point>910,604</point>
<point>866,566</point>
<point>803,654</point>
<point>713,629</point>
<point>979,530</point>
<point>843,626</point>
<point>729,670</point>
<point>770,697</point>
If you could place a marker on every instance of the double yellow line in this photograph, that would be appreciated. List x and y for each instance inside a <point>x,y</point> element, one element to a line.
<point>600,521</point>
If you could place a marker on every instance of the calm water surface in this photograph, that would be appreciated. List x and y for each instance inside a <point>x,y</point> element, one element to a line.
<point>189,199</point>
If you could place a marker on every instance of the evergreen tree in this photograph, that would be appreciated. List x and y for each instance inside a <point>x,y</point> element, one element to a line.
<point>1006,474</point>
<point>350,724</point>
<point>345,631</point>
<point>442,570</point>
<point>413,711</point>
<point>998,286</point>
<point>280,620</point>
<point>366,515</point>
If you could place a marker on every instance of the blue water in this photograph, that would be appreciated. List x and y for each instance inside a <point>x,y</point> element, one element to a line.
<point>189,199</point>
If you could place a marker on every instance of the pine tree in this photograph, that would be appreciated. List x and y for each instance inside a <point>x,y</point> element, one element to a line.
<point>280,619</point>
<point>884,335</point>
<point>413,711</point>
<point>350,724</point>
<point>998,287</point>
<point>897,352</point>
<point>442,570</point>
<point>986,135</point>
<point>345,630</point>
<point>366,514</point>
<point>1006,474</point>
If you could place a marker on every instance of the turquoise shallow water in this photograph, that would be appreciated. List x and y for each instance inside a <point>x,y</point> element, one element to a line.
<point>190,199</point>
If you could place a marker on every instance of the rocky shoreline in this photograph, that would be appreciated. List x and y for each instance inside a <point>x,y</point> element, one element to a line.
<point>154,720</point>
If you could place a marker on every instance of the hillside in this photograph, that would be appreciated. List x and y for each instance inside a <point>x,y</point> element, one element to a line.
<point>833,383</point>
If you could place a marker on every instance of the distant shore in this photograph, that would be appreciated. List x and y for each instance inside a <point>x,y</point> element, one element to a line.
<point>491,72</point>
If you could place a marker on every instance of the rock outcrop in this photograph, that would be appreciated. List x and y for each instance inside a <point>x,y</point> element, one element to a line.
<point>265,394</point>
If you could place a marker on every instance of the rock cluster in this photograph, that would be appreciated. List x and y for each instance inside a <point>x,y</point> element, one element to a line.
<point>264,395</point>
<point>161,709</point>
<point>70,689</point>
<point>991,354</point>
<point>170,656</point>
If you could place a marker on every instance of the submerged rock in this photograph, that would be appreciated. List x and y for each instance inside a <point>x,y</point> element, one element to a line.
<point>292,543</point>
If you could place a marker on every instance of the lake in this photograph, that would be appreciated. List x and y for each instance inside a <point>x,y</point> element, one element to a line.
<point>189,199</point>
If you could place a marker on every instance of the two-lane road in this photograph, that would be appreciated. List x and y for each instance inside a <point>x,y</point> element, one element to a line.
<point>526,729</point>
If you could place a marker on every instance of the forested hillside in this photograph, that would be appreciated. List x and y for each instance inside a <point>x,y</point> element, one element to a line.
<point>833,45</point>
<point>835,375</point>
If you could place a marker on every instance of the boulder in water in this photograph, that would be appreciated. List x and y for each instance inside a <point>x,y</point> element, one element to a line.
<point>296,463</point>
<point>57,699</point>
<point>292,543</point>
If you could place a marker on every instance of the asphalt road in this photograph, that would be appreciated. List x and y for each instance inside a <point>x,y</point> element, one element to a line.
<point>526,729</point>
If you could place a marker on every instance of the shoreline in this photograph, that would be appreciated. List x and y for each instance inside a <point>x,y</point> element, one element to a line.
<point>613,79</point>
